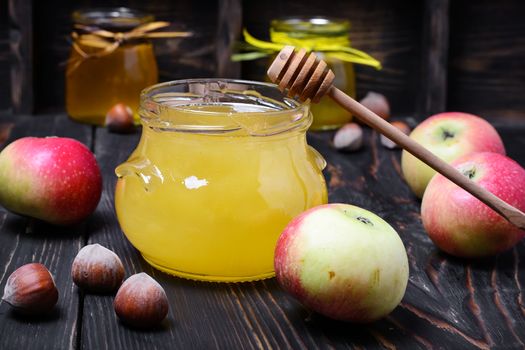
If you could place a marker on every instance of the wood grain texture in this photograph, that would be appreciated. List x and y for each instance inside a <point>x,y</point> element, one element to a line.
<point>487,59</point>
<point>449,303</point>
<point>177,58</point>
<point>228,29</point>
<point>21,45</point>
<point>391,31</point>
<point>433,94</point>
<point>24,240</point>
<point>5,89</point>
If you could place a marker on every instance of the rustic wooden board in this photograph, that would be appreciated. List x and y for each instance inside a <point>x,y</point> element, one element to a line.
<point>433,93</point>
<point>24,240</point>
<point>391,31</point>
<point>21,45</point>
<point>450,303</point>
<point>487,58</point>
<point>5,89</point>
<point>228,30</point>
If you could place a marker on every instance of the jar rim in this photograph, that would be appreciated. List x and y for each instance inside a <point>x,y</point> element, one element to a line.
<point>115,17</point>
<point>159,100</point>
<point>317,25</point>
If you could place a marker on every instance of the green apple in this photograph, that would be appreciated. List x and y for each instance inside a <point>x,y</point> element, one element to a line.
<point>343,262</point>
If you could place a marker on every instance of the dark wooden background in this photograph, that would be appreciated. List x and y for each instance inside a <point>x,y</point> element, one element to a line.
<point>5,85</point>
<point>437,54</point>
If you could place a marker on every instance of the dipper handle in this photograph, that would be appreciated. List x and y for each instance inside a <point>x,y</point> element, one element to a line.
<point>306,77</point>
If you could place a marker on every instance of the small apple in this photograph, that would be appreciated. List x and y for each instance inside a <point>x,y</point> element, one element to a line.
<point>343,262</point>
<point>449,136</point>
<point>462,225</point>
<point>54,179</point>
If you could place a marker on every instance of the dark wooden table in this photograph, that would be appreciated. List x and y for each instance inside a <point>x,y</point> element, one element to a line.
<point>449,303</point>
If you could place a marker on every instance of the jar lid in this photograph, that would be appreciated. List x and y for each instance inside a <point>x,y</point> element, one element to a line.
<point>311,25</point>
<point>117,18</point>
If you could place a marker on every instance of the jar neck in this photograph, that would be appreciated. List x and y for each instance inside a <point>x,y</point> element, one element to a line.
<point>119,19</point>
<point>222,107</point>
<point>308,41</point>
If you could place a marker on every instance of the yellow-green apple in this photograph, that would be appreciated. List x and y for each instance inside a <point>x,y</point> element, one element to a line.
<point>343,262</point>
<point>463,226</point>
<point>449,136</point>
<point>54,179</point>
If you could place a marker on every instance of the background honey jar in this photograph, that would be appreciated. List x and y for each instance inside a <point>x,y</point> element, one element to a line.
<point>99,77</point>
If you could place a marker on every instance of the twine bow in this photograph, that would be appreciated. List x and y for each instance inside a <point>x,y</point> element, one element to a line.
<point>337,47</point>
<point>107,42</point>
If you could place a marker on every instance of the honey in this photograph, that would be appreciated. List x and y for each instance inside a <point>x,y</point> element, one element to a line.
<point>327,113</point>
<point>312,32</point>
<point>214,181</point>
<point>95,84</point>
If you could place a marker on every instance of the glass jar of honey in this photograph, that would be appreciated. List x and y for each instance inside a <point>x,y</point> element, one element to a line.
<point>103,71</point>
<point>311,33</point>
<point>222,166</point>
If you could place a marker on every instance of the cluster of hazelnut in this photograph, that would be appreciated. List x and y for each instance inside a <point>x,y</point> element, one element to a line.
<point>349,138</point>
<point>140,301</point>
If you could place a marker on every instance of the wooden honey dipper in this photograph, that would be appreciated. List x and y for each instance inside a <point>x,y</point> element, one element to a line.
<point>309,78</point>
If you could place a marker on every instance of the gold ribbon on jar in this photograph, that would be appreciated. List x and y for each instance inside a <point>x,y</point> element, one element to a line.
<point>337,47</point>
<point>106,42</point>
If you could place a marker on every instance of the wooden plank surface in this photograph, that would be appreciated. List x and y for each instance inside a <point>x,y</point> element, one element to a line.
<point>228,31</point>
<point>450,303</point>
<point>5,89</point>
<point>21,44</point>
<point>487,58</point>
<point>433,94</point>
<point>24,240</point>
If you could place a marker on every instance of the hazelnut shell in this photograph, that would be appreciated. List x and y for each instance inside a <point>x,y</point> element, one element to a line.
<point>377,103</point>
<point>97,269</point>
<point>386,142</point>
<point>348,138</point>
<point>141,302</point>
<point>31,290</point>
<point>119,119</point>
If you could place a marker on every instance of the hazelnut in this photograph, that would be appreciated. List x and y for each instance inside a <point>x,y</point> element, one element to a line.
<point>141,302</point>
<point>386,142</point>
<point>377,103</point>
<point>30,289</point>
<point>97,269</point>
<point>348,138</point>
<point>119,119</point>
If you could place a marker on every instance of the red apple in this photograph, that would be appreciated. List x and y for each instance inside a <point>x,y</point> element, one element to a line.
<point>343,262</point>
<point>53,179</point>
<point>449,136</point>
<point>463,226</point>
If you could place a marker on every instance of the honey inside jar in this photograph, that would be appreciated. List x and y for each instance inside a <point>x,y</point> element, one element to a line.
<point>215,180</point>
<point>313,32</point>
<point>95,84</point>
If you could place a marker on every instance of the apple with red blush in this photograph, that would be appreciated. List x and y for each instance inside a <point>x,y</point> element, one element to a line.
<point>463,226</point>
<point>343,262</point>
<point>54,179</point>
<point>449,136</point>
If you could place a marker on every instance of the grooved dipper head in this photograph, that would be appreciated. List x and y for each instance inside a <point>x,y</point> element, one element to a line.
<point>302,74</point>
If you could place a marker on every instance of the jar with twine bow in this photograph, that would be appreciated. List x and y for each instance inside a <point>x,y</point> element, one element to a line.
<point>329,38</point>
<point>111,61</point>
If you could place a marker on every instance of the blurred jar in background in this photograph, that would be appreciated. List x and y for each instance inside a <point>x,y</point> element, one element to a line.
<point>105,68</point>
<point>329,39</point>
<point>327,114</point>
